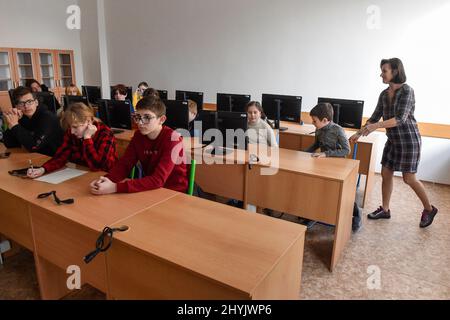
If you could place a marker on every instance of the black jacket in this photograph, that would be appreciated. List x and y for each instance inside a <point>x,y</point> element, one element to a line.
<point>42,133</point>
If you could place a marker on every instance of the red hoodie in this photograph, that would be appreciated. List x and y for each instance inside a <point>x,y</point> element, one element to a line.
<point>160,170</point>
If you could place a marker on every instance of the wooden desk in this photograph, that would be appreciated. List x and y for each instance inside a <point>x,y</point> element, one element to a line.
<point>299,137</point>
<point>60,236</point>
<point>324,188</point>
<point>233,255</point>
<point>320,189</point>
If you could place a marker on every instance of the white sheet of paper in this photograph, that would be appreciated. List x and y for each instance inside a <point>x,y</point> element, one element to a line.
<point>61,175</point>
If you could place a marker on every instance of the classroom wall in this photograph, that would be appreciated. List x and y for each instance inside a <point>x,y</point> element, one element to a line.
<point>303,47</point>
<point>90,42</point>
<point>40,24</point>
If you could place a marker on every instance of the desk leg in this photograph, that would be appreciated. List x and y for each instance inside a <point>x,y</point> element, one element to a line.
<point>370,175</point>
<point>343,228</point>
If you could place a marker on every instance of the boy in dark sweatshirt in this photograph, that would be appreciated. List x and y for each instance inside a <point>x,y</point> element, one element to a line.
<point>31,126</point>
<point>158,148</point>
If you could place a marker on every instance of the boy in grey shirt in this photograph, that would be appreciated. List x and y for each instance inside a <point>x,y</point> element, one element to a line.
<point>332,141</point>
<point>330,137</point>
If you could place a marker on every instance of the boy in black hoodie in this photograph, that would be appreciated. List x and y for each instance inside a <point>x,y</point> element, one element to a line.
<point>31,126</point>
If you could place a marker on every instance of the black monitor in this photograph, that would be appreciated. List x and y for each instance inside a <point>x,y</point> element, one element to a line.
<point>208,120</point>
<point>116,114</point>
<point>129,93</point>
<point>232,102</point>
<point>163,95</point>
<point>282,108</point>
<point>92,93</point>
<point>177,113</point>
<point>68,100</point>
<point>347,113</point>
<point>191,95</point>
<point>236,121</point>
<point>103,112</point>
<point>48,99</point>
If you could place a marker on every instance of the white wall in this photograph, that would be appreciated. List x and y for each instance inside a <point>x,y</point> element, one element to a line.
<point>303,47</point>
<point>40,24</point>
<point>89,42</point>
<point>311,47</point>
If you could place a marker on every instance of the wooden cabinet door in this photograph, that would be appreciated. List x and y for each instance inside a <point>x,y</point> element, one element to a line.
<point>47,68</point>
<point>25,65</point>
<point>66,70</point>
<point>7,77</point>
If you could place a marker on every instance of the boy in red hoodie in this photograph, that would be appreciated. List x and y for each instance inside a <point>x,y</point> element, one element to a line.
<point>159,150</point>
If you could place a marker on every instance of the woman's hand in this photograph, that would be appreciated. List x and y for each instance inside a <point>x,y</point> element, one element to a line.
<point>35,173</point>
<point>103,186</point>
<point>368,129</point>
<point>354,138</point>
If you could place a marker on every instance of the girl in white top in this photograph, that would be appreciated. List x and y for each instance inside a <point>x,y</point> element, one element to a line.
<point>258,130</point>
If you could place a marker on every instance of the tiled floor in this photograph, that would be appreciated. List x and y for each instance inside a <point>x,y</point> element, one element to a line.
<point>412,263</point>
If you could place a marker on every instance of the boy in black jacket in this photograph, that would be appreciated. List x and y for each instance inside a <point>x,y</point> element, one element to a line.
<point>30,125</point>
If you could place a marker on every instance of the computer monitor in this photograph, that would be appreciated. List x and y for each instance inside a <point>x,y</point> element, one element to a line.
<point>232,102</point>
<point>177,113</point>
<point>191,95</point>
<point>103,112</point>
<point>92,93</point>
<point>163,94</point>
<point>282,108</point>
<point>68,100</point>
<point>236,121</point>
<point>129,93</point>
<point>49,100</point>
<point>208,120</point>
<point>347,113</point>
<point>115,114</point>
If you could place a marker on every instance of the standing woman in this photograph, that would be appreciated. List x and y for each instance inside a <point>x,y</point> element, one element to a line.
<point>402,150</point>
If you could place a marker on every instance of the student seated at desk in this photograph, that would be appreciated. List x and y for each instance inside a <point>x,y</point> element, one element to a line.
<point>332,141</point>
<point>120,93</point>
<point>72,90</point>
<point>87,142</point>
<point>192,105</point>
<point>31,125</point>
<point>139,94</point>
<point>37,87</point>
<point>158,148</point>
<point>259,131</point>
<point>151,92</point>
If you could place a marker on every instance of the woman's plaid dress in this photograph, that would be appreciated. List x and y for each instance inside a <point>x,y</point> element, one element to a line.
<point>402,149</point>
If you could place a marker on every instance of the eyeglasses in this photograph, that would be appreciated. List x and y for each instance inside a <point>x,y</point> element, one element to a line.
<point>144,119</point>
<point>28,103</point>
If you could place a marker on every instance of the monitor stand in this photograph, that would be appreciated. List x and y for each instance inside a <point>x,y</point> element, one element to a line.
<point>278,117</point>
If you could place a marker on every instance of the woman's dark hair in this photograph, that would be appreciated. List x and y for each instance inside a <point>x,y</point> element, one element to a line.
<point>150,92</point>
<point>322,110</point>
<point>398,71</point>
<point>143,83</point>
<point>19,92</point>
